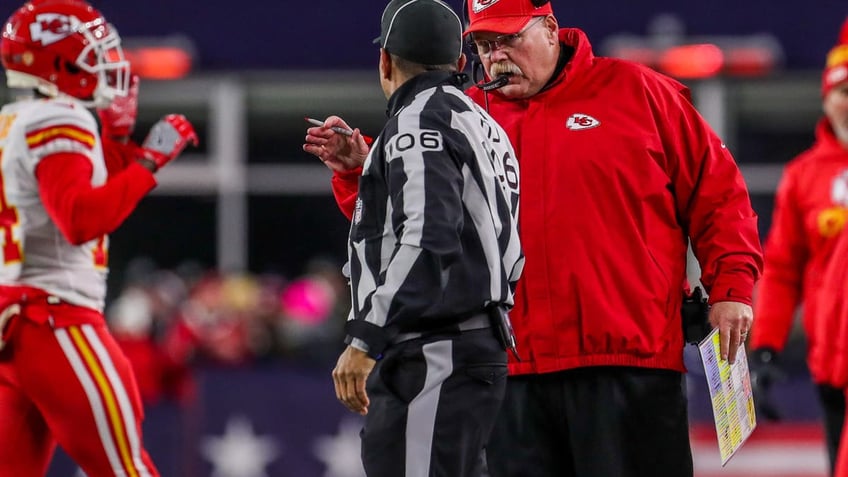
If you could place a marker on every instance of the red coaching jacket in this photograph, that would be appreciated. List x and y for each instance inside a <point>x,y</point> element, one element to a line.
<point>806,258</point>
<point>617,167</point>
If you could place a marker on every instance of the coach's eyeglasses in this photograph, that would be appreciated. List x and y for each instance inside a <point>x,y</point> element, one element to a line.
<point>486,47</point>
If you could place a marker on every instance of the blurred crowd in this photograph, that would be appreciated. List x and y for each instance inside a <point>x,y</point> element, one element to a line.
<point>173,322</point>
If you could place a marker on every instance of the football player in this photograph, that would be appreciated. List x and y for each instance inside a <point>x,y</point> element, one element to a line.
<point>63,188</point>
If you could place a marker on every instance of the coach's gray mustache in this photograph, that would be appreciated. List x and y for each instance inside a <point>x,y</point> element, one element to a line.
<point>498,69</point>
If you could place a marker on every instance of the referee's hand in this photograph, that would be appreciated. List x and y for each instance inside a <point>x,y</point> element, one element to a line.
<point>349,376</point>
<point>339,152</point>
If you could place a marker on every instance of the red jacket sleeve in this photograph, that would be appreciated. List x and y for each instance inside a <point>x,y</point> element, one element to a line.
<point>84,212</point>
<point>779,291</point>
<point>713,202</point>
<point>345,188</point>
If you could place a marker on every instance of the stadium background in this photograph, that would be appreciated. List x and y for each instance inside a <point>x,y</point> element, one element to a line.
<point>246,222</point>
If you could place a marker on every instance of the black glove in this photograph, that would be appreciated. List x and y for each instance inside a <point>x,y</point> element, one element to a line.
<point>765,371</point>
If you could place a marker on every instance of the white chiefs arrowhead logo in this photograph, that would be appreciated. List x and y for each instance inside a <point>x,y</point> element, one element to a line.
<point>480,5</point>
<point>835,75</point>
<point>577,122</point>
<point>48,28</point>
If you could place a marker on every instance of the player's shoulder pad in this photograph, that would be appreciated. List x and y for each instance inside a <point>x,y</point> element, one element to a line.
<point>57,111</point>
<point>58,125</point>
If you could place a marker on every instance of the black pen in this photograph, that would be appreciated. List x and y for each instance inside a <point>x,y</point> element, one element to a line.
<point>340,130</point>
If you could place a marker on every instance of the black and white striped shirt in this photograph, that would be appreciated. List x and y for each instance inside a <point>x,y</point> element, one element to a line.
<point>434,234</point>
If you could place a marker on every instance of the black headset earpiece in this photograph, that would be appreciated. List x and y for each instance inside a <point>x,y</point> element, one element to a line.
<point>476,64</point>
<point>466,22</point>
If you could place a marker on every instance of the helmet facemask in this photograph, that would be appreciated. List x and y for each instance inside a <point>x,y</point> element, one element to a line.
<point>103,57</point>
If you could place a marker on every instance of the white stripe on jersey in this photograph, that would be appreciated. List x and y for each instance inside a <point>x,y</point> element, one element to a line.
<point>59,145</point>
<point>483,225</point>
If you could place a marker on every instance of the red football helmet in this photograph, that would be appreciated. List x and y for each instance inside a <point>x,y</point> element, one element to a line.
<point>64,46</point>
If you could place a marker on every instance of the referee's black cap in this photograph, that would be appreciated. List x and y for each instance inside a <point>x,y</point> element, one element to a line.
<point>426,32</point>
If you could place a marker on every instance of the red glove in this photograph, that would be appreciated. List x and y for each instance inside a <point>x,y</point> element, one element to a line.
<point>167,139</point>
<point>118,119</point>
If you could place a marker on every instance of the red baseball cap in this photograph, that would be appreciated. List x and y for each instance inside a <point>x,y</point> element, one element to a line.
<point>836,67</point>
<point>503,16</point>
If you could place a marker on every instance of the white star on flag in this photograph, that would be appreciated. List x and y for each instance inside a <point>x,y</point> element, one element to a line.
<point>239,452</point>
<point>340,453</point>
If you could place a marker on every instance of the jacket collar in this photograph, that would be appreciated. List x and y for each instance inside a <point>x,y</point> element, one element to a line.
<point>583,56</point>
<point>826,139</point>
<point>406,93</point>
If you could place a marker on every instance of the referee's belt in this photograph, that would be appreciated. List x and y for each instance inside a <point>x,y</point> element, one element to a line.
<point>477,321</point>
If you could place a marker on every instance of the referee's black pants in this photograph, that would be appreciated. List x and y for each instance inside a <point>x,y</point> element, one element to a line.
<point>434,401</point>
<point>593,422</point>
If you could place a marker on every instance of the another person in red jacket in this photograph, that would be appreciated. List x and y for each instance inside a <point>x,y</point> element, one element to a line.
<point>63,378</point>
<point>804,262</point>
<point>618,171</point>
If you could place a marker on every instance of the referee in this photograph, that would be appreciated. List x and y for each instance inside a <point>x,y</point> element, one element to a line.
<point>434,256</point>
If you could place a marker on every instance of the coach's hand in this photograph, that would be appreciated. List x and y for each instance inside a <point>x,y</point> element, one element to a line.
<point>338,152</point>
<point>166,140</point>
<point>733,321</point>
<point>349,377</point>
